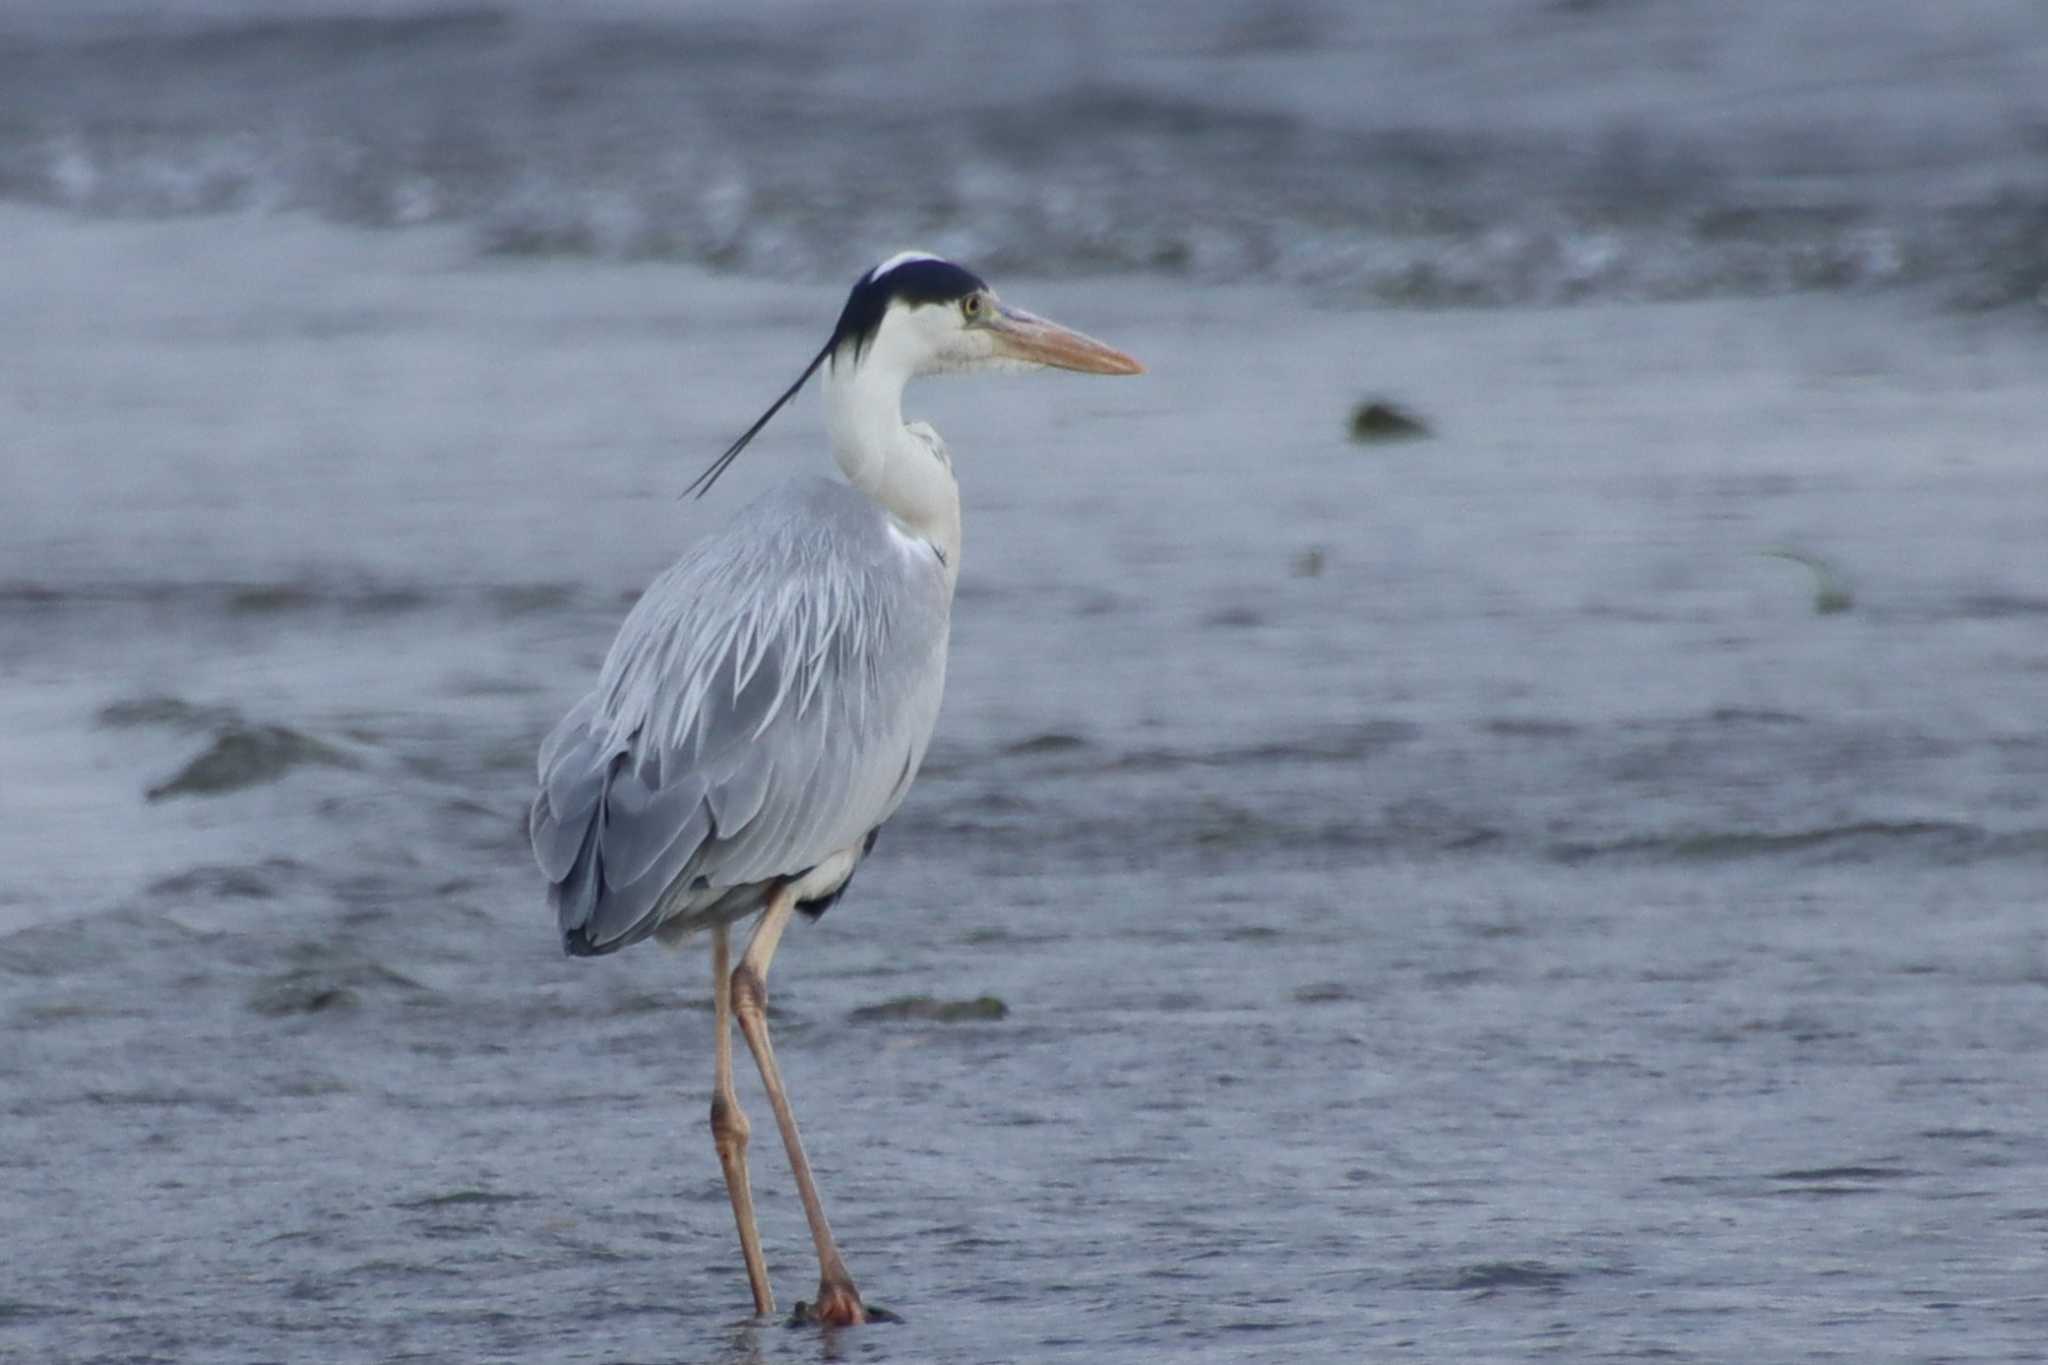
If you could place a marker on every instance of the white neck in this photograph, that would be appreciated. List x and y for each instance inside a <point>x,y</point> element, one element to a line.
<point>903,471</point>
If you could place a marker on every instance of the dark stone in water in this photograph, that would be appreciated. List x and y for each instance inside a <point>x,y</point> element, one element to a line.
<point>925,1008</point>
<point>1821,1173</point>
<point>458,1197</point>
<point>264,598</point>
<point>327,979</point>
<point>224,881</point>
<point>303,995</point>
<point>1498,1275</point>
<point>391,600</point>
<point>269,597</point>
<point>1530,727</point>
<point>1047,744</point>
<point>246,755</point>
<point>1831,593</point>
<point>1379,420</point>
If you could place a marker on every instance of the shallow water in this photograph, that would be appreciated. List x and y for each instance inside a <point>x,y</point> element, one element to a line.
<point>1454,899</point>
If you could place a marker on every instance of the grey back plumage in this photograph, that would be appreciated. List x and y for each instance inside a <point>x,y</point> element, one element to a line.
<point>765,706</point>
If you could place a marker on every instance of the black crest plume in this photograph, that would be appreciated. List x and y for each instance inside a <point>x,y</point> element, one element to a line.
<point>922,280</point>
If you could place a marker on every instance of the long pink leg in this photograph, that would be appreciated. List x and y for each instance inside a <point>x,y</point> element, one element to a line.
<point>838,1301</point>
<point>729,1127</point>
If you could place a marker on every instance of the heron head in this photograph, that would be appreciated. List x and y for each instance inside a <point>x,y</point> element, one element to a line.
<point>917,314</point>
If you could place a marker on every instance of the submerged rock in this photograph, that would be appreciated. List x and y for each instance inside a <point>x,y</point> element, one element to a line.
<point>269,597</point>
<point>925,1008</point>
<point>457,1198</point>
<point>303,993</point>
<point>327,978</point>
<point>1053,742</point>
<point>224,881</point>
<point>1234,618</point>
<point>1831,594</point>
<point>1378,420</point>
<point>246,755</point>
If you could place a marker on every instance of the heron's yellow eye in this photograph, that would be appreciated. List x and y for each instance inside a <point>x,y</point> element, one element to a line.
<point>970,307</point>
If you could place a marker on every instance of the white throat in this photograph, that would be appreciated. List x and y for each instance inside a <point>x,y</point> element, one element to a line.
<point>903,468</point>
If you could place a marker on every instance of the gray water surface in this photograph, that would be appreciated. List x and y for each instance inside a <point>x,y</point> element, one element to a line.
<point>1573,886</point>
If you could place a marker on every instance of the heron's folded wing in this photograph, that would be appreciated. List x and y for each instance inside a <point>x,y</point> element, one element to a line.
<point>650,828</point>
<point>693,798</point>
<point>572,782</point>
<point>763,708</point>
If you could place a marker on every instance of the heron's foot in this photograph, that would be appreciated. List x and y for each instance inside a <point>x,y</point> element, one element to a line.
<point>838,1305</point>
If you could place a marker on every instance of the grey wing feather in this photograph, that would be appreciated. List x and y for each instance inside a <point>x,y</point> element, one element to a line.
<point>763,708</point>
<point>645,823</point>
<point>572,782</point>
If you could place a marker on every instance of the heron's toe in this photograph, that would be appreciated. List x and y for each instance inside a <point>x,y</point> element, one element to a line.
<point>839,1306</point>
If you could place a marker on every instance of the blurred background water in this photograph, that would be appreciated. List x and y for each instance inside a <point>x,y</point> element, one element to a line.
<point>1486,151</point>
<point>1570,883</point>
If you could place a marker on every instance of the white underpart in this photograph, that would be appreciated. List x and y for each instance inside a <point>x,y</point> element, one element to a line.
<point>828,876</point>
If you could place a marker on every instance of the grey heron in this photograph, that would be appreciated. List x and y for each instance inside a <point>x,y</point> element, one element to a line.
<point>769,699</point>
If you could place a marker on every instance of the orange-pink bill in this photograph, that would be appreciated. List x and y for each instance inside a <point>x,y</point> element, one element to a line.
<point>1026,336</point>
